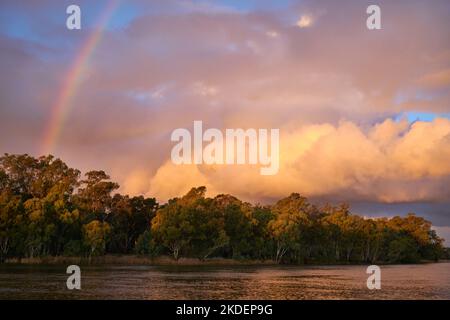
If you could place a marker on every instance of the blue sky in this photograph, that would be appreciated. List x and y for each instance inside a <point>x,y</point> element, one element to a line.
<point>421,116</point>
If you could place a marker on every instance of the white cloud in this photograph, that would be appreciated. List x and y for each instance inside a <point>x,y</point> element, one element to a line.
<point>305,21</point>
<point>390,162</point>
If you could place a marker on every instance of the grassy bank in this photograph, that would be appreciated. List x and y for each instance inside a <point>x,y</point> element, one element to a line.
<point>133,260</point>
<point>164,261</point>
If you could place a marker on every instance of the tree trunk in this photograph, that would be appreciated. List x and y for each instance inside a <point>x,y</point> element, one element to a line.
<point>349,253</point>
<point>337,252</point>
<point>4,247</point>
<point>280,252</point>
<point>175,251</point>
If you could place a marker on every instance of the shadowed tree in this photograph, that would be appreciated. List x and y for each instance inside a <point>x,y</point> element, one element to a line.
<point>94,196</point>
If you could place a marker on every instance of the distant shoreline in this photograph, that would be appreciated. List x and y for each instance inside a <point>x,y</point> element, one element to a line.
<point>164,261</point>
<point>134,260</point>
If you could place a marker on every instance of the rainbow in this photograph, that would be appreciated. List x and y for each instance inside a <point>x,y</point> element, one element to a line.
<point>71,82</point>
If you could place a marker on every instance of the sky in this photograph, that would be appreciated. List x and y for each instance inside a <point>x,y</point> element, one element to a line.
<point>364,115</point>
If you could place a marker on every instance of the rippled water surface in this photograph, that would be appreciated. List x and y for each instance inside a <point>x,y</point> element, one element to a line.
<point>425,281</point>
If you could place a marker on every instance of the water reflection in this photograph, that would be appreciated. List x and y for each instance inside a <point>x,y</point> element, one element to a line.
<point>427,281</point>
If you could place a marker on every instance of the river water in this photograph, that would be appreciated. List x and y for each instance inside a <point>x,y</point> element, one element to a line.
<point>424,281</point>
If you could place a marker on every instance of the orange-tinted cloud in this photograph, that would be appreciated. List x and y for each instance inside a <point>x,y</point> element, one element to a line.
<point>389,162</point>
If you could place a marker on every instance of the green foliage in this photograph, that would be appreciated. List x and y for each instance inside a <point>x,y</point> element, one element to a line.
<point>129,218</point>
<point>403,249</point>
<point>190,224</point>
<point>292,219</point>
<point>146,245</point>
<point>45,209</point>
<point>73,248</point>
<point>95,235</point>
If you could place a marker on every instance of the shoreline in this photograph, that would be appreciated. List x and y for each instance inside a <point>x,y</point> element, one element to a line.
<point>134,260</point>
<point>169,261</point>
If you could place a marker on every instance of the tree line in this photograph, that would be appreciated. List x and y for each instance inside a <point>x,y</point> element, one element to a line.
<point>49,209</point>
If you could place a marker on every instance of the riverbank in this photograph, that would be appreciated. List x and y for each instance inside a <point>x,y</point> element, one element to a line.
<point>135,260</point>
<point>162,261</point>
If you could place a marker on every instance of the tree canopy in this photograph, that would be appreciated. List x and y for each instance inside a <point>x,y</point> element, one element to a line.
<point>48,208</point>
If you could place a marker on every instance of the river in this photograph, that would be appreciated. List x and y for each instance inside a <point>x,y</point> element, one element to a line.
<point>422,281</point>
